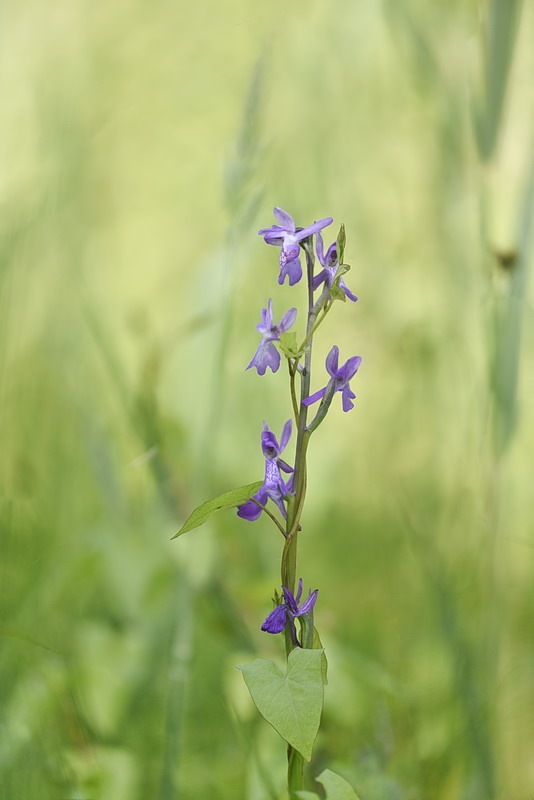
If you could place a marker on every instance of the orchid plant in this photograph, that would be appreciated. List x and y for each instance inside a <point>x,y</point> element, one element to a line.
<point>292,702</point>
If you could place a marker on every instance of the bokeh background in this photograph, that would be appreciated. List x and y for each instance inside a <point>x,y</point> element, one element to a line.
<point>142,146</point>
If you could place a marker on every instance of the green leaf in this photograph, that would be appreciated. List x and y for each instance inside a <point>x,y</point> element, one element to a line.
<point>318,645</point>
<point>336,787</point>
<point>338,294</point>
<point>341,240</point>
<point>307,795</point>
<point>291,703</point>
<point>288,344</point>
<point>227,500</point>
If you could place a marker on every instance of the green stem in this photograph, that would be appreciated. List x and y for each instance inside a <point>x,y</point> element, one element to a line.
<point>295,761</point>
<point>319,307</point>
<point>295,771</point>
<point>271,515</point>
<point>292,372</point>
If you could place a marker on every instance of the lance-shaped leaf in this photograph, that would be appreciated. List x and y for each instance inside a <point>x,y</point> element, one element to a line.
<point>291,703</point>
<point>341,241</point>
<point>227,500</point>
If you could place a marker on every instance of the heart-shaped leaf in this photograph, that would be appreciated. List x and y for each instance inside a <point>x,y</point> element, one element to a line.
<point>291,703</point>
<point>227,500</point>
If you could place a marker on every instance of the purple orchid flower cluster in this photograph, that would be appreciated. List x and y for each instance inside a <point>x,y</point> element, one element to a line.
<point>329,279</point>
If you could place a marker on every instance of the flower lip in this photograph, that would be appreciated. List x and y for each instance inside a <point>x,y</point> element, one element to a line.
<point>290,608</point>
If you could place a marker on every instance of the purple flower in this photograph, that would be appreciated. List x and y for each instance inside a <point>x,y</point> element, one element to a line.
<point>289,609</point>
<point>267,355</point>
<point>288,236</point>
<point>339,381</point>
<point>330,263</point>
<point>274,486</point>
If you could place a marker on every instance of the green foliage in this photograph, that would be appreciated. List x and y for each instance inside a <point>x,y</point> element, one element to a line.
<point>223,501</point>
<point>336,788</point>
<point>130,284</point>
<point>291,703</point>
<point>338,294</point>
<point>318,645</point>
<point>289,346</point>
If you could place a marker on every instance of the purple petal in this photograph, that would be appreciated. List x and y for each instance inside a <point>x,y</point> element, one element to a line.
<point>319,278</point>
<point>285,219</point>
<point>284,466</point>
<point>265,356</point>
<point>319,246</point>
<point>315,228</point>
<point>290,251</point>
<point>314,397</point>
<point>291,602</point>
<point>287,320</point>
<point>331,256</point>
<point>345,288</point>
<point>273,483</point>
<point>266,323</point>
<point>286,435</point>
<point>299,591</point>
<point>274,235</point>
<point>288,486</point>
<point>308,604</point>
<point>274,229</point>
<point>276,621</point>
<point>277,498</point>
<point>332,361</point>
<point>250,510</point>
<point>291,269</point>
<point>347,396</point>
<point>349,369</point>
<point>269,443</point>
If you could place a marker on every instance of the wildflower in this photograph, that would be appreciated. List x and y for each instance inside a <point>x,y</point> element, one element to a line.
<point>330,263</point>
<point>289,609</point>
<point>267,355</point>
<point>339,380</point>
<point>274,486</point>
<point>288,236</point>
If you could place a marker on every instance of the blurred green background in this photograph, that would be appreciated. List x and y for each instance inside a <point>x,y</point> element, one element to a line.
<point>142,146</point>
